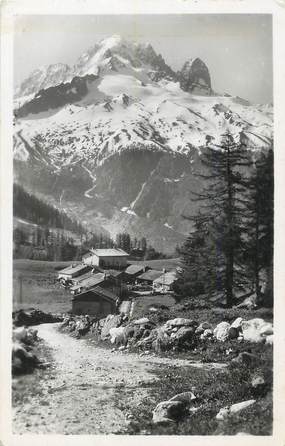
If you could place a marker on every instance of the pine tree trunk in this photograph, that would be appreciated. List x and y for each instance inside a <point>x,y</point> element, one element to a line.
<point>256,259</point>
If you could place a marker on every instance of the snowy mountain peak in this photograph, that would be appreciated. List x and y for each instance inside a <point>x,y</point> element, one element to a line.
<point>110,54</point>
<point>43,77</point>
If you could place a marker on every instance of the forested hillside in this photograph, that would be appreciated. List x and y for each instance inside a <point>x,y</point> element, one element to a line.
<point>31,208</point>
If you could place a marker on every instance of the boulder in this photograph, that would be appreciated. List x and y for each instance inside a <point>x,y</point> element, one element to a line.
<point>117,335</point>
<point>266,329</point>
<point>183,335</point>
<point>208,333</point>
<point>34,317</point>
<point>168,412</point>
<point>258,385</point>
<point>186,397</point>
<point>249,303</point>
<point>233,333</point>
<point>66,321</point>
<point>269,340</point>
<point>251,330</point>
<point>162,341</point>
<point>180,322</point>
<point>111,321</point>
<point>221,332</point>
<point>22,360</point>
<point>32,336</point>
<point>202,327</point>
<point>141,321</point>
<point>225,412</point>
<point>82,326</point>
<point>20,334</point>
<point>237,322</point>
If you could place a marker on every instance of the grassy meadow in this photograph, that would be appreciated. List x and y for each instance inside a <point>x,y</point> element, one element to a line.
<point>39,287</point>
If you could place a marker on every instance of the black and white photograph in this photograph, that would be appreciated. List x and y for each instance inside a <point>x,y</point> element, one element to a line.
<point>143,224</point>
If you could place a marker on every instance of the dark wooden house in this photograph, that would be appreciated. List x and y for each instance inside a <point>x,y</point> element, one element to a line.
<point>132,272</point>
<point>148,277</point>
<point>97,302</point>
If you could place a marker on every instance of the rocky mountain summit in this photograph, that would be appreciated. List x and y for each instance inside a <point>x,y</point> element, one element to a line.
<point>195,77</point>
<point>117,137</point>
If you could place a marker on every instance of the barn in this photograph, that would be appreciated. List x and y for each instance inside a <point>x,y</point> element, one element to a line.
<point>148,277</point>
<point>133,271</point>
<point>95,302</point>
<point>72,271</point>
<point>106,258</point>
<point>88,282</point>
<point>164,283</point>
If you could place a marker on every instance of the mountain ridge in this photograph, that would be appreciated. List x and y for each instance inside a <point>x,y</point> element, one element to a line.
<point>125,136</point>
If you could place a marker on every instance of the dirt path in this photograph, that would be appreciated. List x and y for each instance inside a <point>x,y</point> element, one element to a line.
<point>90,390</point>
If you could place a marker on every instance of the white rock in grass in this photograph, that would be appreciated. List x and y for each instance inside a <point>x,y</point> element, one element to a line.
<point>269,340</point>
<point>237,322</point>
<point>20,334</point>
<point>185,397</point>
<point>221,331</point>
<point>227,411</point>
<point>251,330</point>
<point>180,321</point>
<point>266,329</point>
<point>142,321</point>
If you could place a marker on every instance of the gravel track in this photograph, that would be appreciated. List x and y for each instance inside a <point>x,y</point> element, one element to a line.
<point>89,390</point>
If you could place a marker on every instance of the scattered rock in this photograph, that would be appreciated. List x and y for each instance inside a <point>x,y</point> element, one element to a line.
<point>20,334</point>
<point>251,330</point>
<point>269,340</point>
<point>225,412</point>
<point>34,317</point>
<point>237,322</point>
<point>117,335</point>
<point>22,360</point>
<point>233,333</point>
<point>185,397</point>
<point>221,332</point>
<point>258,385</point>
<point>121,348</point>
<point>249,303</point>
<point>111,321</point>
<point>168,412</point>
<point>141,321</point>
<point>208,333</point>
<point>180,322</point>
<point>266,329</point>
<point>245,358</point>
<point>202,327</point>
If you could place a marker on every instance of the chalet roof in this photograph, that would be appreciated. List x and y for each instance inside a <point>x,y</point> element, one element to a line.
<point>113,273</point>
<point>166,278</point>
<point>151,275</point>
<point>72,269</point>
<point>98,291</point>
<point>134,269</point>
<point>89,282</point>
<point>105,293</point>
<point>83,276</point>
<point>111,252</point>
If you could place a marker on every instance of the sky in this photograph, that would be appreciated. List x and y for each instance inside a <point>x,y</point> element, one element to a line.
<point>237,48</point>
